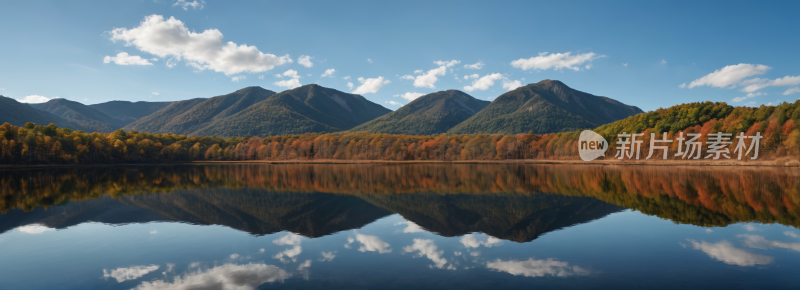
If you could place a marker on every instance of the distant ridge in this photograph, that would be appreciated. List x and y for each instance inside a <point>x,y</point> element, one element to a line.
<point>129,111</point>
<point>17,114</point>
<point>310,108</point>
<point>85,116</point>
<point>433,113</point>
<point>545,107</point>
<point>187,117</point>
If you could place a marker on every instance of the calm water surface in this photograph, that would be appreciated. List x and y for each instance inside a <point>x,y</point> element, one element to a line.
<point>400,226</point>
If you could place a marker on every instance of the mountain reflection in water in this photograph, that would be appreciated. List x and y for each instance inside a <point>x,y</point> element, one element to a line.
<point>422,226</point>
<point>511,202</point>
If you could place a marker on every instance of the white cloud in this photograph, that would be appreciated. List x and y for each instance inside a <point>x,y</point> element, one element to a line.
<point>555,61</point>
<point>371,85</point>
<point>588,66</point>
<point>289,254</point>
<point>663,61</point>
<point>123,58</point>
<point>34,99</point>
<point>759,242</point>
<point>472,76</point>
<point>411,227</point>
<point>537,268</point>
<point>748,96</point>
<point>791,91</point>
<point>234,256</point>
<point>428,79</point>
<point>304,265</point>
<point>35,228</point>
<point>346,78</point>
<point>471,241</point>
<point>155,93</point>
<point>447,63</point>
<point>261,77</point>
<point>329,73</point>
<point>205,50</point>
<point>290,239</point>
<point>305,61</point>
<point>236,79</point>
<point>478,65</point>
<point>725,252</point>
<point>2,89</point>
<point>425,247</point>
<point>393,103</point>
<point>709,231</point>
<point>625,64</point>
<point>194,4</point>
<point>328,256</point>
<point>791,234</point>
<point>350,85</point>
<point>292,83</point>
<point>407,77</point>
<point>154,232</point>
<point>369,60</point>
<point>730,75</point>
<point>409,96</point>
<point>749,227</point>
<point>419,71</point>
<point>484,82</point>
<point>129,273</point>
<point>372,244</point>
<point>226,277</point>
<point>682,86</point>
<point>511,85</point>
<point>755,84</point>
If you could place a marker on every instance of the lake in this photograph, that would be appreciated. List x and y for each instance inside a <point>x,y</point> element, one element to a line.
<point>423,226</point>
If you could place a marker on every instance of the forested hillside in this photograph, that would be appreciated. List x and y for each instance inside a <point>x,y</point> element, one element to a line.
<point>187,117</point>
<point>433,113</point>
<point>544,107</point>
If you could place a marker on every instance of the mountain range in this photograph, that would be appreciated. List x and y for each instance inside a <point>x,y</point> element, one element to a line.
<point>545,107</point>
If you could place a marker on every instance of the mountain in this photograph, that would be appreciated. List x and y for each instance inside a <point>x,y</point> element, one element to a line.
<point>433,113</point>
<point>129,111</point>
<point>18,114</point>
<point>187,117</point>
<point>310,108</point>
<point>545,107</point>
<point>85,116</point>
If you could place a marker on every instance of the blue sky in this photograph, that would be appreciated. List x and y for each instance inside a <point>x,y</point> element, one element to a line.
<point>645,53</point>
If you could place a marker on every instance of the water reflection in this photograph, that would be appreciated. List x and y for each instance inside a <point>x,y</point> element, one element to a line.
<point>370,226</point>
<point>505,201</point>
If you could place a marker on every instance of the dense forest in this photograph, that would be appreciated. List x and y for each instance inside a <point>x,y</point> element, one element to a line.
<point>36,144</point>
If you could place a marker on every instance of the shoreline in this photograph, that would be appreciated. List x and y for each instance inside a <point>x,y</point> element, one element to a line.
<point>782,162</point>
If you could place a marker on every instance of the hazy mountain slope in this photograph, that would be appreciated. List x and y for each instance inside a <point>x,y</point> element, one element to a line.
<point>87,117</point>
<point>433,113</point>
<point>310,108</point>
<point>129,111</point>
<point>544,107</point>
<point>205,113</point>
<point>16,113</point>
<point>154,122</point>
